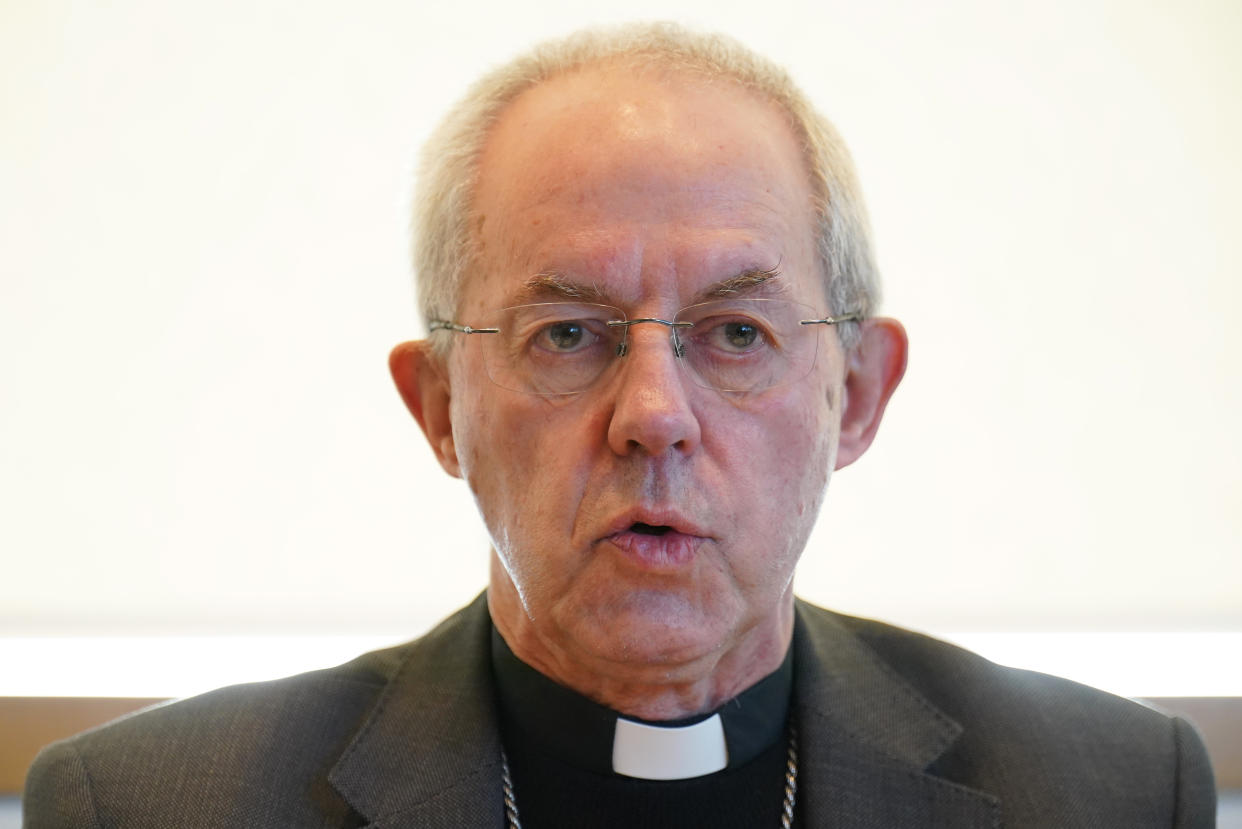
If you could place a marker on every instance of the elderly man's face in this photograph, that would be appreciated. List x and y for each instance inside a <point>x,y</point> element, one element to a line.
<point>650,189</point>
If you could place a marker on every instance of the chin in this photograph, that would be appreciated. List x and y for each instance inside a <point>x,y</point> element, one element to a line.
<point>655,628</point>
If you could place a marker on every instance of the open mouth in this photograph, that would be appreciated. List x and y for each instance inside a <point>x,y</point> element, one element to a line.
<point>656,548</point>
<point>649,529</point>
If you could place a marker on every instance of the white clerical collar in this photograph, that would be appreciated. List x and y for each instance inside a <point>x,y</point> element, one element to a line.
<point>578,731</point>
<point>654,752</point>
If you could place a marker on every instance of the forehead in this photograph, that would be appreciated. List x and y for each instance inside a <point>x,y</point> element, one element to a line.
<point>643,183</point>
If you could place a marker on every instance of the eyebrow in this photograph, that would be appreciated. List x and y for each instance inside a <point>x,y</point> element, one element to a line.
<point>555,286</point>
<point>753,280</point>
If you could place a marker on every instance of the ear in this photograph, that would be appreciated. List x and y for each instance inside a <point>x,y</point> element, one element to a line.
<point>874,367</point>
<point>422,380</point>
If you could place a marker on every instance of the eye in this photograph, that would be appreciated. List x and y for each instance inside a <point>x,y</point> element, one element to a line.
<point>739,334</point>
<point>565,336</point>
<point>734,334</point>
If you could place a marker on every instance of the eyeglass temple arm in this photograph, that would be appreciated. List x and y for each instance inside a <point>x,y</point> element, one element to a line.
<point>832,320</point>
<point>445,325</point>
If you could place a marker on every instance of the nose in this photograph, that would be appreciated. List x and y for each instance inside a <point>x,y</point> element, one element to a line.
<point>652,410</point>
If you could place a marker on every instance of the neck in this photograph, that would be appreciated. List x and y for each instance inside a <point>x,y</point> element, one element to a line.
<point>668,690</point>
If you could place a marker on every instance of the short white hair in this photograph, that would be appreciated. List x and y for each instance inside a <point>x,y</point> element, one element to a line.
<point>444,246</point>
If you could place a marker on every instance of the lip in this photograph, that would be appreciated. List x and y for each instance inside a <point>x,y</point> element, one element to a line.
<point>671,518</point>
<point>668,552</point>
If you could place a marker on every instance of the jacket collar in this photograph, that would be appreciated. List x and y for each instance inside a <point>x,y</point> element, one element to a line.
<point>429,754</point>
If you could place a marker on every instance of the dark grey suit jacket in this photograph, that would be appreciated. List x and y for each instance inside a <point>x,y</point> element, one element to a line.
<point>896,730</point>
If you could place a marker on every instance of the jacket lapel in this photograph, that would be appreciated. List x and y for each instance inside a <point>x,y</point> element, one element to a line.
<point>866,738</point>
<point>429,754</point>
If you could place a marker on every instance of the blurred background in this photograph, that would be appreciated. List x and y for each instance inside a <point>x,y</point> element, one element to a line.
<point>203,264</point>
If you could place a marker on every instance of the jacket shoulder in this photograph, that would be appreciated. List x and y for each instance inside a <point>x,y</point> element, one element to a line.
<point>233,750</point>
<point>254,743</point>
<point>1041,742</point>
<point>967,686</point>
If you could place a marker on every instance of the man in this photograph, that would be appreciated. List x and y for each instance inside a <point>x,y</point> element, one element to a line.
<point>645,268</point>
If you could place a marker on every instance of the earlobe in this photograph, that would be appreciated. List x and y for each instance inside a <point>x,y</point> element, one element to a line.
<point>874,367</point>
<point>422,380</point>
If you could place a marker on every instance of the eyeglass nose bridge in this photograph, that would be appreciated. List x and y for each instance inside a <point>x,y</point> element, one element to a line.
<point>623,347</point>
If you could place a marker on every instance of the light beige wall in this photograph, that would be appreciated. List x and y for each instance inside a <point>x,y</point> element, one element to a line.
<point>202,268</point>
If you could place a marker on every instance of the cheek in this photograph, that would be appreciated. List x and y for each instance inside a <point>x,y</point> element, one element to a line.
<point>515,456</point>
<point>798,435</point>
<point>489,454</point>
<point>787,449</point>
<point>490,446</point>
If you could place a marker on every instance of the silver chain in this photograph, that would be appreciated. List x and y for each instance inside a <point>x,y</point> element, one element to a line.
<point>787,807</point>
<point>791,779</point>
<point>511,812</point>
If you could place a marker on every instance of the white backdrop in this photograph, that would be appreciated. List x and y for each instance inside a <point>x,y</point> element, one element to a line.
<point>202,267</point>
